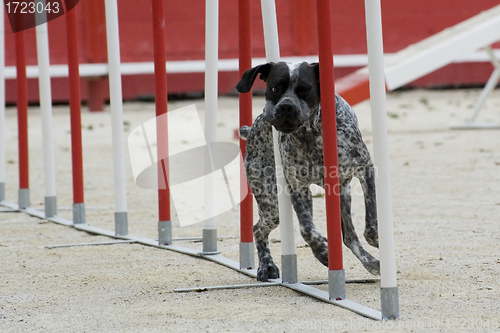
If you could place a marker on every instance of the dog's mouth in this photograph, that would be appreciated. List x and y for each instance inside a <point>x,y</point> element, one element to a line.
<point>286,127</point>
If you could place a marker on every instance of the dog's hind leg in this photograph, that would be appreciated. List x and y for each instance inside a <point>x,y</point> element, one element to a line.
<point>371,225</point>
<point>303,206</point>
<point>351,240</point>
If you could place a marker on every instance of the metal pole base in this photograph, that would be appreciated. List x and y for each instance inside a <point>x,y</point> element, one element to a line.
<point>79,213</point>
<point>289,268</point>
<point>50,206</point>
<point>24,198</point>
<point>390,303</point>
<point>209,242</point>
<point>121,224</point>
<point>247,255</point>
<point>2,191</point>
<point>336,285</point>
<point>164,232</point>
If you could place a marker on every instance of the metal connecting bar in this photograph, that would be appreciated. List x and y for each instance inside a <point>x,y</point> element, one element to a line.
<point>90,244</point>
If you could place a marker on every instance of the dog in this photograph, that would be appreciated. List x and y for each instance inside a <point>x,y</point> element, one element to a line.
<point>293,107</point>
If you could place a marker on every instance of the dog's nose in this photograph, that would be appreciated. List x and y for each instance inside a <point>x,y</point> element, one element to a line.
<point>286,109</point>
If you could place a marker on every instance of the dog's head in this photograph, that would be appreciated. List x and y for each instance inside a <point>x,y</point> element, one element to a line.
<point>292,92</point>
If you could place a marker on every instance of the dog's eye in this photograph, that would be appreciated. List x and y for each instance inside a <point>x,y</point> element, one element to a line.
<point>275,89</point>
<point>303,91</point>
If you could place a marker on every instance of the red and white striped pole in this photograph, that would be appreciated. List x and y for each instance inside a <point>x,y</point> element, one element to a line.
<point>336,274</point>
<point>22,120</point>
<point>116,104</point>
<point>75,114</point>
<point>388,282</point>
<point>164,221</point>
<point>247,259</point>
<point>288,256</point>
<point>44,86</point>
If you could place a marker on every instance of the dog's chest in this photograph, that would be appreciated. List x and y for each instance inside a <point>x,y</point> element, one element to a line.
<point>302,155</point>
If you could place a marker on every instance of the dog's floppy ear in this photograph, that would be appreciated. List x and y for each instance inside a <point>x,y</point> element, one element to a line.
<point>315,66</point>
<point>250,75</point>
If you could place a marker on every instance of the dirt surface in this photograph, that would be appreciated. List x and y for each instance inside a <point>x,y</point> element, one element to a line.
<point>446,204</point>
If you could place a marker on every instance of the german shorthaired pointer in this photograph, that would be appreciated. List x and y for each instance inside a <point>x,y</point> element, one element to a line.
<point>293,108</point>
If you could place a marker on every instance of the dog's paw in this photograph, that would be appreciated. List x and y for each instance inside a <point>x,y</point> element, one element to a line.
<point>371,236</point>
<point>267,272</point>
<point>373,266</point>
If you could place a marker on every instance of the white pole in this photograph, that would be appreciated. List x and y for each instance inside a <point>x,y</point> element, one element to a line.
<point>2,104</point>
<point>388,284</point>
<point>42,45</point>
<point>289,264</point>
<point>116,104</point>
<point>211,82</point>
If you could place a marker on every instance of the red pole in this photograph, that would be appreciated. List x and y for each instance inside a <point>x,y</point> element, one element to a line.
<point>245,103</point>
<point>22,110</point>
<point>328,116</point>
<point>75,106</point>
<point>161,108</point>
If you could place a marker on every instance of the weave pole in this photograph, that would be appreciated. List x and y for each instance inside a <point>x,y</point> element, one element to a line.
<point>336,274</point>
<point>76,120</point>
<point>2,104</point>
<point>164,221</point>
<point>247,256</point>
<point>211,82</point>
<point>116,104</point>
<point>388,283</point>
<point>44,86</point>
<point>22,121</point>
<point>288,255</point>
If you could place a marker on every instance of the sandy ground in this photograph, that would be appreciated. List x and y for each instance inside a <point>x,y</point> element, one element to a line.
<point>446,216</point>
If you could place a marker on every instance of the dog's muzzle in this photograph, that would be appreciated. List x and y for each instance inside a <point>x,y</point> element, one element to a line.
<point>286,117</point>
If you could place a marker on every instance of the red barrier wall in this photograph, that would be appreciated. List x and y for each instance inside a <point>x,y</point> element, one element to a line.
<point>405,22</point>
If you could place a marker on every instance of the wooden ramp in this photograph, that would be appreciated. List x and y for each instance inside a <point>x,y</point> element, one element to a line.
<point>428,55</point>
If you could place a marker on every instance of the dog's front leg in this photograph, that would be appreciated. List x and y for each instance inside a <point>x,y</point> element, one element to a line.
<point>303,206</point>
<point>267,268</point>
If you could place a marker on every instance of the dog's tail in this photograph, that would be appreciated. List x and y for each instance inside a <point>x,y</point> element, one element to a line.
<point>244,132</point>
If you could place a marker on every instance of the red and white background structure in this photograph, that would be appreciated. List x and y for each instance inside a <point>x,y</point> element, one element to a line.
<point>195,51</point>
<point>405,23</point>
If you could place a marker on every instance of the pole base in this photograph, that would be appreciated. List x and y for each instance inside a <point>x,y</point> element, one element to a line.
<point>50,204</point>
<point>289,268</point>
<point>164,232</point>
<point>121,224</point>
<point>390,303</point>
<point>209,242</point>
<point>24,198</point>
<point>79,213</point>
<point>247,255</point>
<point>336,285</point>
